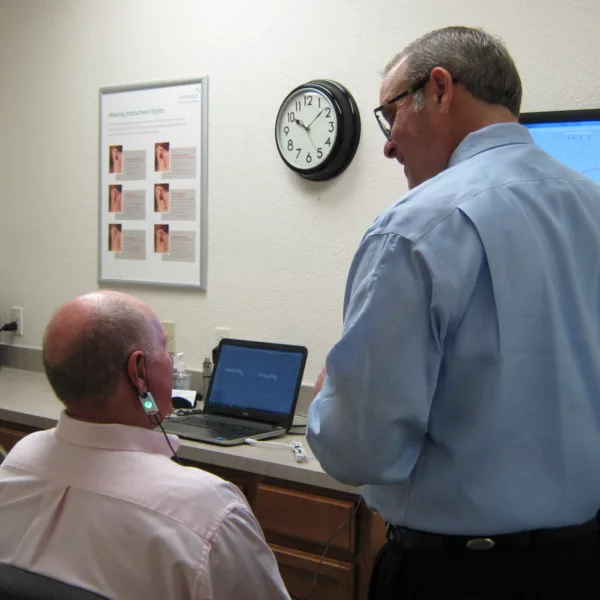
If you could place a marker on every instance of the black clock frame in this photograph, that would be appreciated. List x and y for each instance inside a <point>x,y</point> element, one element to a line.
<point>347,137</point>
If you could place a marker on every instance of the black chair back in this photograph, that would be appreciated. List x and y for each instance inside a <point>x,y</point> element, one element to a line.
<point>19,584</point>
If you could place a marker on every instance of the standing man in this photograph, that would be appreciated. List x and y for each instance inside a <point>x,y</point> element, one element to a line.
<point>97,502</point>
<point>464,393</point>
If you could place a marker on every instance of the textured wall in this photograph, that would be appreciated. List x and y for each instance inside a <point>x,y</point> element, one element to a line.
<point>279,247</point>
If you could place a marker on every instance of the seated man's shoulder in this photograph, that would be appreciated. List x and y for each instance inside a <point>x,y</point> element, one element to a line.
<point>190,481</point>
<point>194,497</point>
<point>32,445</point>
<point>135,482</point>
<point>173,485</point>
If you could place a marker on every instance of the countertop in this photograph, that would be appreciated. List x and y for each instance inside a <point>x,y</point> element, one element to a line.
<point>27,399</point>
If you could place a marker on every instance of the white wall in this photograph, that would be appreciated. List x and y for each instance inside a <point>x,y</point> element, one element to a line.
<point>279,247</point>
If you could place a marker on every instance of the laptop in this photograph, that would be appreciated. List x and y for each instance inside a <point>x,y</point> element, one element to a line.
<point>252,394</point>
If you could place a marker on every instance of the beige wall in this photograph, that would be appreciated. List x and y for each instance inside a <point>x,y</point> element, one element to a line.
<point>279,247</point>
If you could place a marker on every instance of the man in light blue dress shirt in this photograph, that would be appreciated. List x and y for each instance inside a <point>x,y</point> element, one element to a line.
<point>464,393</point>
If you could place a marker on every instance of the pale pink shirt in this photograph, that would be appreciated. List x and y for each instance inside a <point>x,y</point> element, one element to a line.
<point>104,508</point>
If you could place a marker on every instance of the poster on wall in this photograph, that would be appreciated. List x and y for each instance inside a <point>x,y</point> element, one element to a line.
<point>153,184</point>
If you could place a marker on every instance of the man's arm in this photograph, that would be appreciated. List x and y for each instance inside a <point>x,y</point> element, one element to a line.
<point>240,563</point>
<point>368,422</point>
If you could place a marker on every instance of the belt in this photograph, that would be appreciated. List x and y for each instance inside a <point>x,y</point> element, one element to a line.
<point>413,539</point>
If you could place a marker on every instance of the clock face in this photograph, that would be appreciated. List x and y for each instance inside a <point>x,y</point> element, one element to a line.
<point>306,129</point>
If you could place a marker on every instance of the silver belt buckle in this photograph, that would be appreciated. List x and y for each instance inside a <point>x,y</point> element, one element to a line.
<point>478,544</point>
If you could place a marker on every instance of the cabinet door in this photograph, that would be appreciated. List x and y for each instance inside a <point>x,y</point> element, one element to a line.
<point>335,580</point>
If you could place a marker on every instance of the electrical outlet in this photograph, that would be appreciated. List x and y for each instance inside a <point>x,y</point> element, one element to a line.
<point>169,327</point>
<point>220,333</point>
<point>16,314</point>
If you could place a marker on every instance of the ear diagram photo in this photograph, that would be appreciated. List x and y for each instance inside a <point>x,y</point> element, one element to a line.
<point>115,159</point>
<point>161,156</point>
<point>114,198</point>
<point>161,197</point>
<point>161,239</point>
<point>114,237</point>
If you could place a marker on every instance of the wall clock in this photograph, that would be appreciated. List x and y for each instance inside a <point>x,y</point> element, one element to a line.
<point>318,129</point>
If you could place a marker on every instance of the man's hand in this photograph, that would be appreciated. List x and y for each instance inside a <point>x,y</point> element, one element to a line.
<point>320,381</point>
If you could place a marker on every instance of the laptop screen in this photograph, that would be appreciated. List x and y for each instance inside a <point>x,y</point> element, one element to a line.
<point>571,137</point>
<point>256,379</point>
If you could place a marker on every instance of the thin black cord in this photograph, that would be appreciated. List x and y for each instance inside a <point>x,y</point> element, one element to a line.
<point>156,421</point>
<point>318,569</point>
<point>175,457</point>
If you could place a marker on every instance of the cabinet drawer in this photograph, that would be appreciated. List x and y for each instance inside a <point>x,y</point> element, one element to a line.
<point>334,582</point>
<point>306,517</point>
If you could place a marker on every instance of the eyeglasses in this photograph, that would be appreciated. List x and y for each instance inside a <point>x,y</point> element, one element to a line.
<point>383,124</point>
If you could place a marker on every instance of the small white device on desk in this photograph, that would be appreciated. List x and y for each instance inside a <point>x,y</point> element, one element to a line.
<point>252,394</point>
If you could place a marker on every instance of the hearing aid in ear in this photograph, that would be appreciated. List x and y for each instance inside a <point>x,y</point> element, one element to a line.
<point>148,403</point>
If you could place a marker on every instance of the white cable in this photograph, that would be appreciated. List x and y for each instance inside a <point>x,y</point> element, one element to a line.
<point>260,443</point>
<point>297,447</point>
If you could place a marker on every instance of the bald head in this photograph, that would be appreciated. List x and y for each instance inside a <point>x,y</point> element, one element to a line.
<point>88,340</point>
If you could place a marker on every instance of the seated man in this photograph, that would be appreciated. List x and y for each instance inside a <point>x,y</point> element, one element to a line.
<point>97,501</point>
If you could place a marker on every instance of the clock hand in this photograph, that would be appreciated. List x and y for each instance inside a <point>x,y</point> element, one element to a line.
<point>315,118</point>
<point>301,124</point>
<point>307,131</point>
<point>308,134</point>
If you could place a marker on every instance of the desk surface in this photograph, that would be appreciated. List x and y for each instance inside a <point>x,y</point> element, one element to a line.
<point>27,399</point>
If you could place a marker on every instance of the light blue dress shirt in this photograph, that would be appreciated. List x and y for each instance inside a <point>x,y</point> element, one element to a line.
<point>464,393</point>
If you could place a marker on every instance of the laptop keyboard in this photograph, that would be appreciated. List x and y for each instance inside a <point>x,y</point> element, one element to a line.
<point>218,425</point>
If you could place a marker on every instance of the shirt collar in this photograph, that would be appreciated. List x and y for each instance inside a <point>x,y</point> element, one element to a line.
<point>492,136</point>
<point>112,436</point>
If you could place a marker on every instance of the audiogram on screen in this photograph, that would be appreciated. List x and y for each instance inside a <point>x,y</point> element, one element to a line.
<point>575,144</point>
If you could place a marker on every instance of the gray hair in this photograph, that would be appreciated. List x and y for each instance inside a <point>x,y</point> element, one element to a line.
<point>97,358</point>
<point>474,58</point>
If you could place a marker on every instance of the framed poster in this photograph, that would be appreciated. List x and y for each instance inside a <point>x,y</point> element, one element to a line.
<point>153,184</point>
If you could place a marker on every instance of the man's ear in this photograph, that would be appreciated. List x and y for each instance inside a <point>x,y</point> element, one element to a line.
<point>443,88</point>
<point>136,370</point>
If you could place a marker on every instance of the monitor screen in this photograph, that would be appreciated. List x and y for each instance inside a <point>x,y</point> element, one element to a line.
<point>256,379</point>
<point>571,137</point>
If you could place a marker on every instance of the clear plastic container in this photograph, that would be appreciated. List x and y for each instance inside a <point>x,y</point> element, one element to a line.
<point>182,379</point>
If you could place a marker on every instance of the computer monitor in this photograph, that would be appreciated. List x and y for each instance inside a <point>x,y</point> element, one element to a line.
<point>570,136</point>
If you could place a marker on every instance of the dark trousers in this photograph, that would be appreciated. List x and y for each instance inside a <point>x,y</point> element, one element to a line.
<point>571,570</point>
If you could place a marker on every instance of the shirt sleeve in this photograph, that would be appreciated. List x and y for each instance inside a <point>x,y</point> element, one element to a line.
<point>368,423</point>
<point>240,563</point>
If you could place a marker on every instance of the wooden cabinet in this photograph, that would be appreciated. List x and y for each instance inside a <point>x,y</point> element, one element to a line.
<point>293,517</point>
<point>306,575</point>
<point>308,517</point>
<point>312,531</point>
<point>9,435</point>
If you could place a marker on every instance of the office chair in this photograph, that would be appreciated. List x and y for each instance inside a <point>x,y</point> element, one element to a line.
<point>19,584</point>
